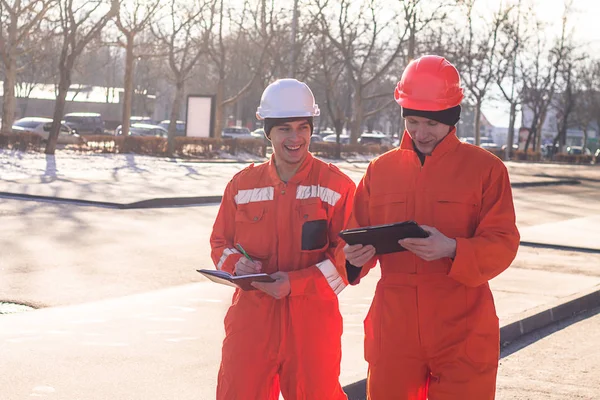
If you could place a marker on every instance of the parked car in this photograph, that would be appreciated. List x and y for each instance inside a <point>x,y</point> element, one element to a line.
<point>579,150</point>
<point>597,156</point>
<point>548,150</point>
<point>148,130</point>
<point>375,138</point>
<point>236,132</point>
<point>324,133</point>
<point>134,120</point>
<point>42,126</point>
<point>344,139</point>
<point>316,139</point>
<point>85,123</point>
<point>485,142</point>
<point>179,127</point>
<point>258,133</point>
<point>488,143</point>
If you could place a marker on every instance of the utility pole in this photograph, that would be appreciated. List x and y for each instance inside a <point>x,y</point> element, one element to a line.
<point>292,70</point>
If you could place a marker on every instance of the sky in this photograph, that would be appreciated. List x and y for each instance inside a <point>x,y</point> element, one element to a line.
<point>585,23</point>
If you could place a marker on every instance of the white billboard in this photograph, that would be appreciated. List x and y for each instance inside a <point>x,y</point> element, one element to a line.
<point>200,116</point>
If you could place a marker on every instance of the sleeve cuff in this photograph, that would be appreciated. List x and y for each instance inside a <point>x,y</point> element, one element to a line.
<point>352,272</point>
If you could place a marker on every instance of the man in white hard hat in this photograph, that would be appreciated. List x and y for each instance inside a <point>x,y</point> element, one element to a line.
<point>286,214</point>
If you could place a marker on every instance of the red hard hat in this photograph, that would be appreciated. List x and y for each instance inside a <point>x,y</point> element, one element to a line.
<point>429,83</point>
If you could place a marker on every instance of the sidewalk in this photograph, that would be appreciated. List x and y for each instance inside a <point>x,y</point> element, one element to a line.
<point>165,344</point>
<point>121,179</point>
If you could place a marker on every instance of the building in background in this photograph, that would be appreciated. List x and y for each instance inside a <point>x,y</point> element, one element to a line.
<point>37,100</point>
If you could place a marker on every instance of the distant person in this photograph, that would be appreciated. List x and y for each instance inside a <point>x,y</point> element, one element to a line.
<point>286,214</point>
<point>432,330</point>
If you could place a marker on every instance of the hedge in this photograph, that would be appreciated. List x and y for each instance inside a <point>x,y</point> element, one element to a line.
<point>21,140</point>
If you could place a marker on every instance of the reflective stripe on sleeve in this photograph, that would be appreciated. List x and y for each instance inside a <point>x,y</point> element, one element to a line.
<point>226,253</point>
<point>331,274</point>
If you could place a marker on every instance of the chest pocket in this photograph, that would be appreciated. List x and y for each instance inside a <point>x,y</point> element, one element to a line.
<point>314,222</point>
<point>387,208</point>
<point>456,214</point>
<point>252,231</point>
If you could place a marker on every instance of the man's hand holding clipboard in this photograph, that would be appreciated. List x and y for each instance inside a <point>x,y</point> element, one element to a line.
<point>424,241</point>
<point>384,238</point>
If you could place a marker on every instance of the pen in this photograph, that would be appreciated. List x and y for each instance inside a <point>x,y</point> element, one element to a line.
<point>241,249</point>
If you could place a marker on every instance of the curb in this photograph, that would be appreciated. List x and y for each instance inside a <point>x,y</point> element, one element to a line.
<point>542,317</point>
<point>524,324</point>
<point>197,200</point>
<point>151,203</point>
<point>560,247</point>
<point>545,183</point>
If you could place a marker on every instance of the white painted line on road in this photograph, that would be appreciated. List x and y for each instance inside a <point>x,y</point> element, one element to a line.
<point>171,319</point>
<point>182,339</point>
<point>184,309</point>
<point>88,321</point>
<point>105,344</point>
<point>23,339</point>
<point>43,389</point>
<point>207,300</point>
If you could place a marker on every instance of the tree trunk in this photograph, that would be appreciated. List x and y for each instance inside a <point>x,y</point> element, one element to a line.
<point>510,137</point>
<point>338,124</point>
<point>59,109</point>
<point>532,133</point>
<point>220,110</point>
<point>478,122</point>
<point>355,126</point>
<point>128,89</point>
<point>537,140</point>
<point>175,116</point>
<point>9,100</point>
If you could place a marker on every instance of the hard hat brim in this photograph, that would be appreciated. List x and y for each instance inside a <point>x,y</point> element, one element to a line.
<point>287,114</point>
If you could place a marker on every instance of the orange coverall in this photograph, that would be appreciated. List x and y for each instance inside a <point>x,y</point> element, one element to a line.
<point>292,344</point>
<point>432,326</point>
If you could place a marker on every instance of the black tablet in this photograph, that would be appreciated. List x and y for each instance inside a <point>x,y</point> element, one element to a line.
<point>384,237</point>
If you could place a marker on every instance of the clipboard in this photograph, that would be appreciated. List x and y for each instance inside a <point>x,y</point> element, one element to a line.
<point>243,282</point>
<point>384,237</point>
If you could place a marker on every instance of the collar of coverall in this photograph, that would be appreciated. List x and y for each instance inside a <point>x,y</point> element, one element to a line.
<point>447,144</point>
<point>300,174</point>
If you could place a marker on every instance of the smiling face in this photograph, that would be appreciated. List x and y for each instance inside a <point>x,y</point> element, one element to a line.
<point>426,133</point>
<point>290,142</point>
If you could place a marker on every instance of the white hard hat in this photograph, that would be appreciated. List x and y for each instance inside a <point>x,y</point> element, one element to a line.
<point>287,98</point>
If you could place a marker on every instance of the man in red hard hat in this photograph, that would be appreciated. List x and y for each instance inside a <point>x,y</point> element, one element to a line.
<point>432,330</point>
<point>286,214</point>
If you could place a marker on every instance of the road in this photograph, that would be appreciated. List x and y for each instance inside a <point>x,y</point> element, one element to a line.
<point>558,363</point>
<point>126,277</point>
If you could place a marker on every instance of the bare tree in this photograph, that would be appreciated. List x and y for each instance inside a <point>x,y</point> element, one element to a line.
<point>514,40</point>
<point>566,99</point>
<point>80,23</point>
<point>540,73</point>
<point>330,79</point>
<point>132,19</point>
<point>263,29</point>
<point>19,19</point>
<point>362,36</point>
<point>478,58</point>
<point>35,68</point>
<point>588,97</point>
<point>420,15</point>
<point>185,36</point>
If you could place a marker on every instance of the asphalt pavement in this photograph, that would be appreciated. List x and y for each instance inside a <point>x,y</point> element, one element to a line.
<point>124,315</point>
